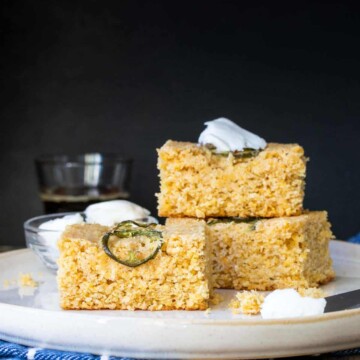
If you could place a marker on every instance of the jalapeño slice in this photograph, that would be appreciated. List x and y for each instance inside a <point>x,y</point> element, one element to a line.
<point>238,154</point>
<point>132,243</point>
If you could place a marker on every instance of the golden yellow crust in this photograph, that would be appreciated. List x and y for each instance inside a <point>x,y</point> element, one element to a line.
<point>196,183</point>
<point>177,279</point>
<point>287,252</point>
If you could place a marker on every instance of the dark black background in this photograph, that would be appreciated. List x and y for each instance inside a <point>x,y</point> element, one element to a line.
<point>126,76</point>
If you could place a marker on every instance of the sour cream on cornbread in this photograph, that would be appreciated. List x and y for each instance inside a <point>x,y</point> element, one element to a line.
<point>288,303</point>
<point>225,135</point>
<point>108,213</point>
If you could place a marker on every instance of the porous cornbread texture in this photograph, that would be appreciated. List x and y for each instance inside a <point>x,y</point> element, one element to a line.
<point>268,254</point>
<point>176,279</point>
<point>195,182</point>
<point>247,302</point>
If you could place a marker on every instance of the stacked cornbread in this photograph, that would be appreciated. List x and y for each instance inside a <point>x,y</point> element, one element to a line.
<point>252,201</point>
<point>235,220</point>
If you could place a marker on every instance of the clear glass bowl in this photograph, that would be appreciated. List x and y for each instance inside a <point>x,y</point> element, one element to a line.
<point>44,242</point>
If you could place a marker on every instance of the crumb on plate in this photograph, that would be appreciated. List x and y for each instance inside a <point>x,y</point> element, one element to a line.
<point>6,284</point>
<point>216,298</point>
<point>26,280</point>
<point>313,292</point>
<point>247,302</point>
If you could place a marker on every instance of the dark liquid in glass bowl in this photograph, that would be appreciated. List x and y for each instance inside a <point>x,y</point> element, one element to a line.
<point>78,199</point>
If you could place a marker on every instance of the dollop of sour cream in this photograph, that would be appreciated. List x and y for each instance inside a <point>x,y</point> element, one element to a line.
<point>61,223</point>
<point>109,213</point>
<point>53,228</point>
<point>288,303</point>
<point>225,135</point>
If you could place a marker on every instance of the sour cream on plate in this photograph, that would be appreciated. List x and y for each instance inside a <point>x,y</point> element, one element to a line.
<point>288,303</point>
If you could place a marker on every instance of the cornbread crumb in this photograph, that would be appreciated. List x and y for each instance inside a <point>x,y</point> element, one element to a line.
<point>26,280</point>
<point>315,293</point>
<point>207,311</point>
<point>176,279</point>
<point>27,285</point>
<point>247,302</point>
<point>23,281</point>
<point>10,283</point>
<point>278,253</point>
<point>194,182</point>
<point>216,298</point>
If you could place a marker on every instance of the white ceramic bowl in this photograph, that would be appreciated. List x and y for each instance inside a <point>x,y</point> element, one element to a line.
<point>44,242</point>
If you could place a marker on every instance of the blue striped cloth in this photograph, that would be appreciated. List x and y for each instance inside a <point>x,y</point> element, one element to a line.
<point>355,239</point>
<point>13,351</point>
<point>16,351</point>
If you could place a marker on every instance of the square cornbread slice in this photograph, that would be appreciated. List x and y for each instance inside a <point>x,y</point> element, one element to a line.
<point>176,279</point>
<point>195,182</point>
<point>268,254</point>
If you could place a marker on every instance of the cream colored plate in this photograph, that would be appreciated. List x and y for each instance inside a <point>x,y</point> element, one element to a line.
<point>36,320</point>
